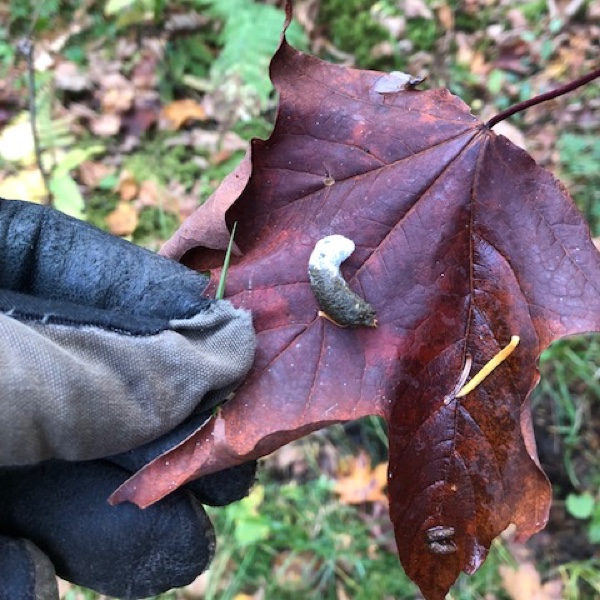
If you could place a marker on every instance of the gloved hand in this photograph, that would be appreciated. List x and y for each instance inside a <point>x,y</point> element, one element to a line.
<point>106,350</point>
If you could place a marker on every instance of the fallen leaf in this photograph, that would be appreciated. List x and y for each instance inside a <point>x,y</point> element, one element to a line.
<point>16,141</point>
<point>178,113</point>
<point>105,125</point>
<point>416,9</point>
<point>512,133</point>
<point>122,220</point>
<point>462,242</point>
<point>128,186</point>
<point>296,571</point>
<point>68,77</point>
<point>91,173</point>
<point>197,589</point>
<point>524,583</point>
<point>361,483</point>
<point>27,183</point>
<point>116,94</point>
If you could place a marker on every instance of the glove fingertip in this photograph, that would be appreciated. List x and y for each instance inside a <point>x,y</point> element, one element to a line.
<point>224,487</point>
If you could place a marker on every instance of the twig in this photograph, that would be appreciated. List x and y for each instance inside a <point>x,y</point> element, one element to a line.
<point>560,91</point>
<point>25,47</point>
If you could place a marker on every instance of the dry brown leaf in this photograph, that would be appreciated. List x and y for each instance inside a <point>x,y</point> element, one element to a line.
<point>176,114</point>
<point>123,220</point>
<point>27,183</point>
<point>341,591</point>
<point>524,583</point>
<point>415,9</point>
<point>128,186</point>
<point>68,77</point>
<point>105,125</point>
<point>220,157</point>
<point>296,571</point>
<point>361,483</point>
<point>197,589</point>
<point>117,93</point>
<point>91,173</point>
<point>508,130</point>
<point>149,194</point>
<point>445,15</point>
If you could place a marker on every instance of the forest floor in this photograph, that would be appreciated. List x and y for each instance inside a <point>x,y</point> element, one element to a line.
<point>143,107</point>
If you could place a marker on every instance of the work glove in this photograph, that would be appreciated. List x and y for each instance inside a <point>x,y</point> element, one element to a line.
<point>109,356</point>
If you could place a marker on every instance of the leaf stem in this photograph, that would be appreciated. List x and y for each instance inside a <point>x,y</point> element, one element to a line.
<point>559,91</point>
<point>221,287</point>
<point>25,46</point>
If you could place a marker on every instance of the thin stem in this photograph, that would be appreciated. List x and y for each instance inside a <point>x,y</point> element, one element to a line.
<point>221,288</point>
<point>25,46</point>
<point>560,91</point>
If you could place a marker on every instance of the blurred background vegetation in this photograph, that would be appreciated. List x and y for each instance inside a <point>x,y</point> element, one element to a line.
<point>143,106</point>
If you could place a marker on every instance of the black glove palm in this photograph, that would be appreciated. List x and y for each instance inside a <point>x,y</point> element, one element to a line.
<point>104,347</point>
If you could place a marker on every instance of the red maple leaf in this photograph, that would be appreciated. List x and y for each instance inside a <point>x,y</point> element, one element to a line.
<point>462,242</point>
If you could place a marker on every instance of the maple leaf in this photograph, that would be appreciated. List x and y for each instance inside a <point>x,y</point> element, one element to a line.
<point>359,482</point>
<point>462,242</point>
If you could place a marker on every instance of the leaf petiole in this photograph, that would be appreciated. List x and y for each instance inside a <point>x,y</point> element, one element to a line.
<point>490,366</point>
<point>560,91</point>
<point>221,287</point>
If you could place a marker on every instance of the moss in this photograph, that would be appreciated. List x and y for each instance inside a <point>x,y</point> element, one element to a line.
<point>352,28</point>
<point>154,222</point>
<point>423,33</point>
<point>98,206</point>
<point>161,164</point>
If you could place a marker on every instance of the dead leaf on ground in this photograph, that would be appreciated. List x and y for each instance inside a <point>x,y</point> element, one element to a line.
<point>27,183</point>
<point>105,125</point>
<point>69,77</point>
<point>296,571</point>
<point>116,94</point>
<point>358,482</point>
<point>197,589</point>
<point>176,114</point>
<point>524,583</point>
<point>122,220</point>
<point>128,186</point>
<point>91,173</point>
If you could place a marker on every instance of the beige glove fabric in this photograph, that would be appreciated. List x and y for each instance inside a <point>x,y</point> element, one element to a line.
<point>84,392</point>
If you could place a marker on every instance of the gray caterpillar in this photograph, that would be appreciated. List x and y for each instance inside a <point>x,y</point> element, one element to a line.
<point>336,300</point>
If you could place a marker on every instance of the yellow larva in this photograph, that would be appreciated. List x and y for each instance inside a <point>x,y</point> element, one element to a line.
<point>490,366</point>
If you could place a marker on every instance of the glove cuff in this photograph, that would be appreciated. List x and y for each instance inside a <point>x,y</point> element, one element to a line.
<point>25,572</point>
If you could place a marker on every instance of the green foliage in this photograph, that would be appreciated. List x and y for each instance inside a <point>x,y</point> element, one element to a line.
<point>580,164</point>
<point>581,506</point>
<point>250,30</point>
<point>295,541</point>
<point>22,11</point>
<point>153,222</point>
<point>351,28</point>
<point>534,10</point>
<point>581,579</point>
<point>570,383</point>
<point>155,163</point>
<point>586,507</point>
<point>423,33</point>
<point>222,280</point>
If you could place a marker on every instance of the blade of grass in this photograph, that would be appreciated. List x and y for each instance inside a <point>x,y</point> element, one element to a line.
<point>221,288</point>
